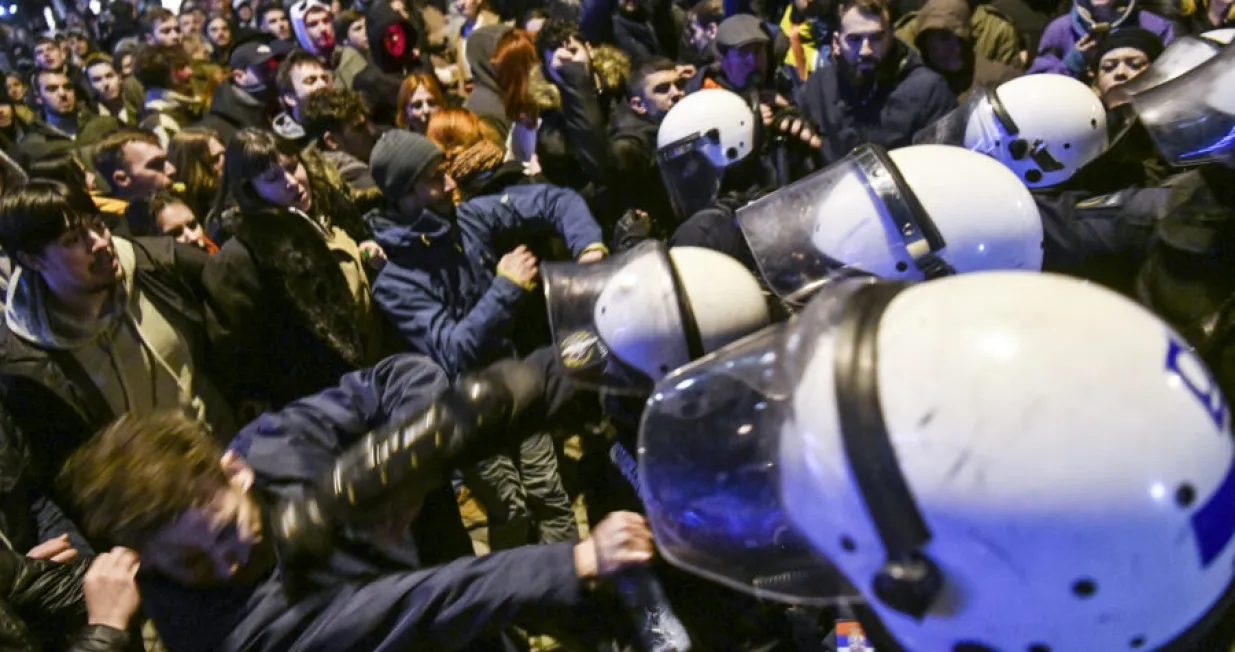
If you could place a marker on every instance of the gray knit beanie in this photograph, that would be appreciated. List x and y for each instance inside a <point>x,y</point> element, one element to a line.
<point>399,159</point>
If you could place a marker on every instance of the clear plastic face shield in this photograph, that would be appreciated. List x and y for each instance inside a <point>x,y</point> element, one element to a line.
<point>692,180</point>
<point>1192,118</point>
<point>1182,55</point>
<point>970,125</point>
<point>617,321</point>
<point>855,216</point>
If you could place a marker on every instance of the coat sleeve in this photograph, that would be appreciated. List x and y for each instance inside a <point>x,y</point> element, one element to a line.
<point>100,638</point>
<point>235,307</point>
<point>1055,44</point>
<point>46,588</point>
<point>427,324</point>
<point>543,206</point>
<point>585,122</point>
<point>937,101</point>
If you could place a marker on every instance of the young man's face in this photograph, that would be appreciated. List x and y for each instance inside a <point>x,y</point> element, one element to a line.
<point>356,35</point>
<point>210,545</point>
<point>275,23</point>
<point>48,56</point>
<point>6,116</point>
<point>166,32</point>
<point>661,90</point>
<point>55,93</point>
<point>189,24</point>
<point>319,28</point>
<point>943,50</point>
<point>16,87</point>
<point>146,170</point>
<point>359,139</point>
<point>743,65</point>
<point>307,79</point>
<point>434,191</point>
<point>219,32</point>
<point>82,261</point>
<point>862,41</point>
<point>1120,65</point>
<point>104,81</point>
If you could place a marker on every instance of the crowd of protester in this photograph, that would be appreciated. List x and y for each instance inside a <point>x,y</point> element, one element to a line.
<point>237,237</point>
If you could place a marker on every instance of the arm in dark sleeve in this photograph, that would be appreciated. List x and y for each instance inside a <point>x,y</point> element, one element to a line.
<point>429,325</point>
<point>1075,229</point>
<point>596,21</point>
<point>237,310</point>
<point>585,122</point>
<point>100,638</point>
<point>543,206</point>
<point>52,593</point>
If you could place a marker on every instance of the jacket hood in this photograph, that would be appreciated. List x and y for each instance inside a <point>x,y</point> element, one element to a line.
<point>951,15</point>
<point>1083,20</point>
<point>25,307</point>
<point>481,45</point>
<point>377,21</point>
<point>393,235</point>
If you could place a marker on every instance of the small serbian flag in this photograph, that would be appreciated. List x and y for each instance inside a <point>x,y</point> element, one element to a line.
<point>851,638</point>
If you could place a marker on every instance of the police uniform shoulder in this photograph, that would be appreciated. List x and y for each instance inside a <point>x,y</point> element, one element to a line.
<point>991,13</point>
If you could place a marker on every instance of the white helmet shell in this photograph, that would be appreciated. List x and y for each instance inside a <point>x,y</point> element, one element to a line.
<point>1070,456</point>
<point>1223,36</point>
<point>639,316</point>
<point>720,114</point>
<point>1059,125</point>
<point>986,216</point>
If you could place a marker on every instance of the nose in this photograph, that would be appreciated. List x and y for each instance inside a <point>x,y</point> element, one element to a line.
<point>450,184</point>
<point>676,93</point>
<point>100,239</point>
<point>169,169</point>
<point>866,49</point>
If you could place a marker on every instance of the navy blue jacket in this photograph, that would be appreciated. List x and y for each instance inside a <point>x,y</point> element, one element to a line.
<point>888,114</point>
<point>366,601</point>
<point>440,288</point>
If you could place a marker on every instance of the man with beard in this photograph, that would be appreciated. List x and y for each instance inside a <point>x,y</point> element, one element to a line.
<point>877,92</point>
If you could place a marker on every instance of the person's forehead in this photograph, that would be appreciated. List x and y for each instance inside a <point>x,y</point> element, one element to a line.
<point>176,214</point>
<point>303,71</point>
<point>100,68</point>
<point>1123,53</point>
<point>855,21</point>
<point>138,152</point>
<point>54,80</point>
<point>168,23</point>
<point>660,77</point>
<point>317,13</point>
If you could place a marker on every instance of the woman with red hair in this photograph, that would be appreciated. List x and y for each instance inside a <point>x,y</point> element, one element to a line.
<point>420,97</point>
<point>513,62</point>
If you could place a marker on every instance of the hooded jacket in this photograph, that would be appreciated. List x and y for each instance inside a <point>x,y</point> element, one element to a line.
<point>295,16</point>
<point>51,394</point>
<point>906,97</point>
<point>992,34</point>
<point>1057,51</point>
<point>232,110</point>
<point>379,82</point>
<point>440,288</point>
<point>955,16</point>
<point>485,100</point>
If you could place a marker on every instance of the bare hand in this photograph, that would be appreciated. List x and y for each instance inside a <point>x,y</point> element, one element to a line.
<point>372,254</point>
<point>110,588</point>
<point>58,550</point>
<point>686,71</point>
<point>1087,42</point>
<point>561,57</point>
<point>592,256</point>
<point>519,266</point>
<point>619,541</point>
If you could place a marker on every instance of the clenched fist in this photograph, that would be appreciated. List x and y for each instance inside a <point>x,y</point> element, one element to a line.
<point>110,588</point>
<point>519,266</point>
<point>618,542</point>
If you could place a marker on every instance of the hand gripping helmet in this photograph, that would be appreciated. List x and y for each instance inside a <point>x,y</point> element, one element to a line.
<point>913,213</point>
<point>981,476</point>
<point>704,133</point>
<point>648,310</point>
<point>1043,127</point>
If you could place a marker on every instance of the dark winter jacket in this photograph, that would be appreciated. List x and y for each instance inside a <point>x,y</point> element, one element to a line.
<point>232,110</point>
<point>906,97</point>
<point>1057,50</point>
<point>367,601</point>
<point>280,314</point>
<point>379,81</point>
<point>637,180</point>
<point>440,288</point>
<point>41,601</point>
<point>956,17</point>
<point>41,140</point>
<point>649,31</point>
<point>485,100</point>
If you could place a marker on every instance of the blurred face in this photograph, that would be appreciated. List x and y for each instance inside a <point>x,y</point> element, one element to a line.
<point>178,222</point>
<point>943,50</point>
<point>244,13</point>
<point>576,52</point>
<point>56,93</point>
<point>218,154</point>
<point>862,42</point>
<point>434,191</point>
<point>6,116</point>
<point>1120,65</point>
<point>210,545</point>
<point>126,65</point>
<point>47,56</point>
<point>661,90</point>
<point>275,23</point>
<point>319,28</point>
<point>469,9</point>
<point>395,41</point>
<point>167,33</point>
<point>219,32</point>
<point>701,36</point>
<point>104,81</point>
<point>743,66</point>
<point>419,109</point>
<point>356,35</point>
<point>16,87</point>
<point>306,80</point>
<point>190,23</point>
<point>400,8</point>
<point>81,262</point>
<point>358,139</point>
<point>285,185</point>
<point>146,171</point>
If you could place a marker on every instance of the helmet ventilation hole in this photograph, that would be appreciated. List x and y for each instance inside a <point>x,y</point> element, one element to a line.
<point>1137,642</point>
<point>732,152</point>
<point>1084,588</point>
<point>1185,495</point>
<point>664,368</point>
<point>848,544</point>
<point>969,646</point>
<point>1093,122</point>
<point>1033,176</point>
<point>902,266</point>
<point>1067,145</point>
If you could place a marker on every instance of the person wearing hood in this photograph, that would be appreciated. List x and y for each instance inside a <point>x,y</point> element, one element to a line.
<point>313,24</point>
<point>396,44</point>
<point>1066,43</point>
<point>300,75</point>
<point>164,71</point>
<point>244,99</point>
<point>991,34</point>
<point>640,28</point>
<point>485,99</point>
<point>877,90</point>
<point>96,327</point>
<point>945,40</point>
<point>475,14</point>
<point>352,55</point>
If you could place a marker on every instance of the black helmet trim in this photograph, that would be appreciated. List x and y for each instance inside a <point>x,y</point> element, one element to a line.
<point>913,224</point>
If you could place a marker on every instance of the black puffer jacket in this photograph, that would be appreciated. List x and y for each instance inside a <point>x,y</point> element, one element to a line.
<point>48,596</point>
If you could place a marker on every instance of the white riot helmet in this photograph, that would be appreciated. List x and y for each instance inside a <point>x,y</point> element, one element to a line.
<point>1043,127</point>
<point>911,214</point>
<point>704,133</point>
<point>1222,36</point>
<point>948,454</point>
<point>650,309</point>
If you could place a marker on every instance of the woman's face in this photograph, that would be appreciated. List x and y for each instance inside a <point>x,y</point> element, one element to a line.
<point>178,221</point>
<point>420,107</point>
<point>219,32</point>
<point>217,153</point>
<point>16,87</point>
<point>285,185</point>
<point>356,35</point>
<point>1119,66</point>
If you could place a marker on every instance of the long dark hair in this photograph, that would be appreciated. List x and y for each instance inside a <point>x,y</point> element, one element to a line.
<point>189,152</point>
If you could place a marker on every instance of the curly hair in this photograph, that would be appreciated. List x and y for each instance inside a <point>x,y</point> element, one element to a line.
<point>331,110</point>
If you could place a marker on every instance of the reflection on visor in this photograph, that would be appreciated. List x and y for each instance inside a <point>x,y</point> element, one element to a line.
<point>691,178</point>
